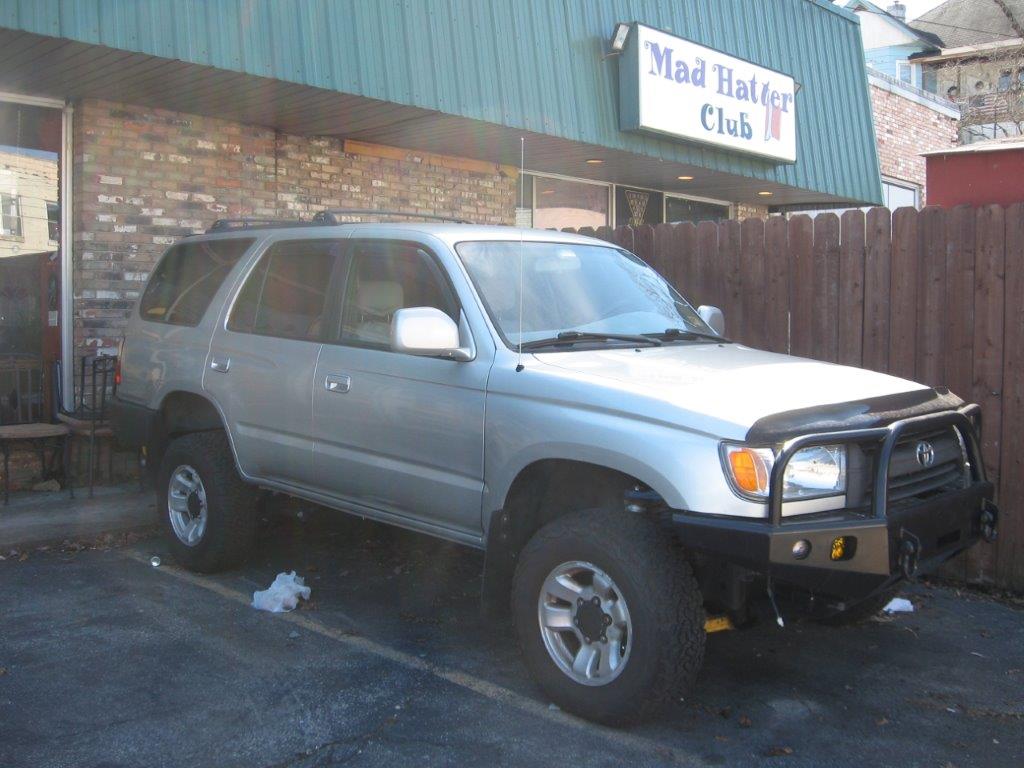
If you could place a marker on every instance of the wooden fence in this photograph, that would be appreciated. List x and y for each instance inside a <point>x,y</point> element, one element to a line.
<point>935,295</point>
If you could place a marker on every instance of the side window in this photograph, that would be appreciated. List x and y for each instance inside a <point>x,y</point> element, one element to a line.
<point>285,293</point>
<point>184,282</point>
<point>385,276</point>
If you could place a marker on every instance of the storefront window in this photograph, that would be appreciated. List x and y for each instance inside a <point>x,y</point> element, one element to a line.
<point>635,207</point>
<point>679,209</point>
<point>561,203</point>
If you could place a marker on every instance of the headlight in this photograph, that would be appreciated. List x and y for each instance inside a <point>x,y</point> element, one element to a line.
<point>817,471</point>
<point>811,473</point>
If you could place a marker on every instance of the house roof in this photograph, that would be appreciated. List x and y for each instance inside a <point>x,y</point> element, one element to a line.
<point>928,39</point>
<point>959,23</point>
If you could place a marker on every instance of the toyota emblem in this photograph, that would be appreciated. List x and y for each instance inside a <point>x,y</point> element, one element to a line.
<point>925,453</point>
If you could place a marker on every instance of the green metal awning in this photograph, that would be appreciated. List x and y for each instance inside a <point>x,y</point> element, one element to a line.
<point>461,77</point>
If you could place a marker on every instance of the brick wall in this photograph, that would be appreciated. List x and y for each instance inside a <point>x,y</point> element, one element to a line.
<point>145,177</point>
<point>904,129</point>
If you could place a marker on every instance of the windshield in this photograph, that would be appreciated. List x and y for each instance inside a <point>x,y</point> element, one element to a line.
<point>590,289</point>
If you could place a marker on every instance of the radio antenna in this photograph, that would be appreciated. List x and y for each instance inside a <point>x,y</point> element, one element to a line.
<point>522,206</point>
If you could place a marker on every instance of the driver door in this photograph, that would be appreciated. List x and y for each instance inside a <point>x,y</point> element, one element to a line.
<point>398,433</point>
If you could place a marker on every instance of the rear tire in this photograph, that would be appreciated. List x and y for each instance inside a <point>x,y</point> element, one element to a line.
<point>207,512</point>
<point>661,601</point>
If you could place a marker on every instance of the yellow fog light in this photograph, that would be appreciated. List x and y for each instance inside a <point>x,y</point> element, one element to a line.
<point>838,548</point>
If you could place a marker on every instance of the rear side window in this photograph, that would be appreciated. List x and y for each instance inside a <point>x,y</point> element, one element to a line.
<point>285,294</point>
<point>184,282</point>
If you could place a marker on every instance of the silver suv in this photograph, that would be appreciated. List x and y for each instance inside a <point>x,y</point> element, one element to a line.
<point>548,398</point>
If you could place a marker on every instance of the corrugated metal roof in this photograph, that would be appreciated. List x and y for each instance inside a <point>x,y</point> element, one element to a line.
<point>526,65</point>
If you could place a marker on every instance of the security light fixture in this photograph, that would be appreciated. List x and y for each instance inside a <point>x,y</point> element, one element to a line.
<point>619,38</point>
<point>765,193</point>
<point>594,161</point>
<point>685,178</point>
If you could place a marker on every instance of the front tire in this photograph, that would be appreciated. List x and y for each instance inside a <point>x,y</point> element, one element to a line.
<point>609,617</point>
<point>207,512</point>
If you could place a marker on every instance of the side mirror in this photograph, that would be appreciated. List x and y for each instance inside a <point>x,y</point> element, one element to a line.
<point>713,317</point>
<point>428,332</point>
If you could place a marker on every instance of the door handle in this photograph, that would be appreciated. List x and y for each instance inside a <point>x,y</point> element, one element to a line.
<point>339,383</point>
<point>219,365</point>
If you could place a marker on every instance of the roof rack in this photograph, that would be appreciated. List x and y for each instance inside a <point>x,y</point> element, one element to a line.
<point>330,216</point>
<point>229,225</point>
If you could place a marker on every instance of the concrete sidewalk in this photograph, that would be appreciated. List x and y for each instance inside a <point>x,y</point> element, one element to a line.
<point>36,518</point>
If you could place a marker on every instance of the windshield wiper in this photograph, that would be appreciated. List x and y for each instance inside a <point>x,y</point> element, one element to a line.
<point>573,337</point>
<point>683,333</point>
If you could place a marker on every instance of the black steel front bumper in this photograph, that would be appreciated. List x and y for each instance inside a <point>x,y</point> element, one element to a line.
<point>881,546</point>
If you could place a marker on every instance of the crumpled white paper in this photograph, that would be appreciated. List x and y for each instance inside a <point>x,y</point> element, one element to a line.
<point>283,595</point>
<point>899,605</point>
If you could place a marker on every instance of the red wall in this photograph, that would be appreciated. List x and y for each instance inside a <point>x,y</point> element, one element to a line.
<point>976,178</point>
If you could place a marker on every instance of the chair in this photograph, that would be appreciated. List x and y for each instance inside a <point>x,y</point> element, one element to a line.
<point>89,417</point>
<point>20,421</point>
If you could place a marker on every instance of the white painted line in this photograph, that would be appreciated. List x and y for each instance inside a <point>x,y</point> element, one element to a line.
<point>484,688</point>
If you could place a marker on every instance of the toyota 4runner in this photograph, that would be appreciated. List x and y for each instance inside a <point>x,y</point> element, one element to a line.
<point>550,399</point>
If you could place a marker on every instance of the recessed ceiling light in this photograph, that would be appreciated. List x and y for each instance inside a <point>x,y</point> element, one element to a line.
<point>594,161</point>
<point>765,193</point>
<point>685,178</point>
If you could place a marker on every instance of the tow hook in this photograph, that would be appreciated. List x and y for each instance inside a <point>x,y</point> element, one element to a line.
<point>910,550</point>
<point>989,521</point>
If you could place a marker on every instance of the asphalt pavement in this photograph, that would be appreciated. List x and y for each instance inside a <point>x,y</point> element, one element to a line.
<point>106,660</point>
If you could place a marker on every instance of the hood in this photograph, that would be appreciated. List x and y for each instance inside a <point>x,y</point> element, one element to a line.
<point>725,389</point>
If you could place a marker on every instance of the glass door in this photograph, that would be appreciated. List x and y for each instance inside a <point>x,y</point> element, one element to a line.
<point>31,147</point>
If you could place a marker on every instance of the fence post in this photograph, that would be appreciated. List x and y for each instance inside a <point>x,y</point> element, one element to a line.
<point>686,270</point>
<point>928,365</point>
<point>903,305</point>
<point>877,289</point>
<point>777,284</point>
<point>851,288</point>
<point>643,245</point>
<point>801,242</point>
<point>708,289</point>
<point>754,313</point>
<point>989,316</point>
<point>1010,565</point>
<point>825,278</point>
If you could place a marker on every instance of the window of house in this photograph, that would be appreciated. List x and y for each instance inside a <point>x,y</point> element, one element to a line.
<point>929,80</point>
<point>900,195</point>
<point>285,294</point>
<point>53,222</point>
<point>10,215</point>
<point>385,276</point>
<point>559,203</point>
<point>1004,80</point>
<point>903,71</point>
<point>184,282</point>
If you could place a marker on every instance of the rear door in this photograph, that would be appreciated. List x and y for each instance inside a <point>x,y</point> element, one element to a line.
<point>263,356</point>
<point>399,433</point>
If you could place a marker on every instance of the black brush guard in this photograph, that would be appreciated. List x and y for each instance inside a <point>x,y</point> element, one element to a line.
<point>879,546</point>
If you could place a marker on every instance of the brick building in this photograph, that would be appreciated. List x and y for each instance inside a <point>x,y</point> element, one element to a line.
<point>161,118</point>
<point>908,122</point>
